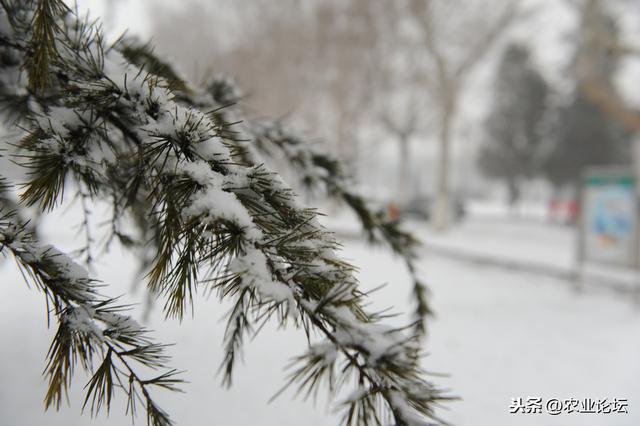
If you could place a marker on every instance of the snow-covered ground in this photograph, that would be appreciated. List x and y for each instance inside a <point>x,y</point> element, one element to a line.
<point>498,334</point>
<point>526,244</point>
<point>502,334</point>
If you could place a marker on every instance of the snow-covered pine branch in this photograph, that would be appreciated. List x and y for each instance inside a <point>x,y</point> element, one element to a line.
<point>318,169</point>
<point>313,167</point>
<point>216,220</point>
<point>90,326</point>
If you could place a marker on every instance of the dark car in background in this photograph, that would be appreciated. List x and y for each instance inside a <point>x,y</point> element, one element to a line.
<point>422,208</point>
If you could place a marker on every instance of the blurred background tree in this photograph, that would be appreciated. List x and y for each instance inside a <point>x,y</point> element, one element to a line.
<point>401,89</point>
<point>514,148</point>
<point>582,133</point>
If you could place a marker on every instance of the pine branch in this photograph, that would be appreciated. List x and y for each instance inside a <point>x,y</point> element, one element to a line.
<point>312,167</point>
<point>219,220</point>
<point>45,28</point>
<point>88,326</point>
<point>317,169</point>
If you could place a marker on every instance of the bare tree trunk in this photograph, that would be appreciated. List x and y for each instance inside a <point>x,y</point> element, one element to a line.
<point>442,208</point>
<point>514,195</point>
<point>635,155</point>
<point>347,143</point>
<point>404,171</point>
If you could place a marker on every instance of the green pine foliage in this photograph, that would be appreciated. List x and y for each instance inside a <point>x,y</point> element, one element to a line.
<point>90,326</point>
<point>186,166</point>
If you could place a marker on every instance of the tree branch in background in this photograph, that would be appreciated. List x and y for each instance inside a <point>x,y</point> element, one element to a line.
<point>595,86</point>
<point>451,72</point>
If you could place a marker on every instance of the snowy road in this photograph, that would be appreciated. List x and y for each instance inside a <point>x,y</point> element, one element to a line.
<point>502,335</point>
<point>498,334</point>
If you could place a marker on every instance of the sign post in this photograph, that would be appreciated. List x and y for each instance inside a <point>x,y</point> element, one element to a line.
<point>608,225</point>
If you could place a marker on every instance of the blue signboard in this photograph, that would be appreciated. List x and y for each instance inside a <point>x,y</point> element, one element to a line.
<point>609,218</point>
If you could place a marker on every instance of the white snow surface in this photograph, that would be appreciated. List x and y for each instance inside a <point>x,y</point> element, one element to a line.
<point>253,269</point>
<point>497,334</point>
